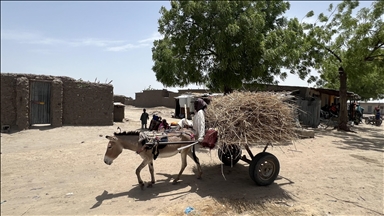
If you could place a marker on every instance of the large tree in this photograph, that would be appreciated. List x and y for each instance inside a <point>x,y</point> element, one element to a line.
<point>225,44</point>
<point>347,49</point>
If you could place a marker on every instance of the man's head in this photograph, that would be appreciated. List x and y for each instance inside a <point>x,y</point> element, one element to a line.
<point>199,104</point>
<point>144,110</point>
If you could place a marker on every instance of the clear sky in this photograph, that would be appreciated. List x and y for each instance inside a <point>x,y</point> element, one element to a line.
<point>94,39</point>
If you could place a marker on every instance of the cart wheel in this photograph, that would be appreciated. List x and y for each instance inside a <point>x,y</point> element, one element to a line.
<point>264,168</point>
<point>229,154</point>
<point>366,121</point>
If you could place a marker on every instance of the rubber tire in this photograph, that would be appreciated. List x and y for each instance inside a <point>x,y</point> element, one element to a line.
<point>225,157</point>
<point>366,121</point>
<point>256,164</point>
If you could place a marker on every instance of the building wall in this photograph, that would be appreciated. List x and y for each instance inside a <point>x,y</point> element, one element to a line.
<point>22,103</point>
<point>170,101</point>
<point>369,107</point>
<point>72,102</point>
<point>8,100</point>
<point>309,113</point>
<point>130,102</point>
<point>324,100</point>
<point>86,103</point>
<point>119,98</point>
<point>123,99</point>
<point>57,102</point>
<point>153,98</point>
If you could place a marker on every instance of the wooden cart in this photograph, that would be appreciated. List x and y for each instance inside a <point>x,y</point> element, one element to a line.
<point>263,167</point>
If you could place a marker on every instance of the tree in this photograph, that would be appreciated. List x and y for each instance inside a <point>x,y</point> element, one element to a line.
<point>347,50</point>
<point>225,44</point>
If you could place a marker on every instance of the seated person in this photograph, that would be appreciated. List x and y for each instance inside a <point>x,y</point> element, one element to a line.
<point>164,125</point>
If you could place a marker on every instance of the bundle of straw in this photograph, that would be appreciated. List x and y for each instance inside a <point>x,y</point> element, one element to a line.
<point>252,118</point>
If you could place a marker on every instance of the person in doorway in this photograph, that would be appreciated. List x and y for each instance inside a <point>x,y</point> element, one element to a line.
<point>199,119</point>
<point>144,118</point>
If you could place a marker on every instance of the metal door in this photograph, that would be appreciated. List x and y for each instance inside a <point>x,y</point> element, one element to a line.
<point>40,102</point>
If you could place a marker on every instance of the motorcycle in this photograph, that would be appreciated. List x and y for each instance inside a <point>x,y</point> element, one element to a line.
<point>373,121</point>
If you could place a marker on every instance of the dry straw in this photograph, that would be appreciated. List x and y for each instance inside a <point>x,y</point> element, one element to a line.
<point>252,118</point>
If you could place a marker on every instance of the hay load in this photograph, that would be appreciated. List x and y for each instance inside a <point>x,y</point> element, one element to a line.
<point>252,118</point>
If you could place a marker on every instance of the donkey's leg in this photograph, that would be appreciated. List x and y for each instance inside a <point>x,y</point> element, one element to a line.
<point>138,170</point>
<point>192,154</point>
<point>151,170</point>
<point>183,154</point>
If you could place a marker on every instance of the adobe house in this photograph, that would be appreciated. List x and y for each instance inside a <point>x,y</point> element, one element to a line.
<point>29,99</point>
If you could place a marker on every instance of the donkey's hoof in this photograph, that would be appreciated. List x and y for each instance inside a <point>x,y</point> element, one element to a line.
<point>199,176</point>
<point>176,181</point>
<point>150,184</point>
<point>142,186</point>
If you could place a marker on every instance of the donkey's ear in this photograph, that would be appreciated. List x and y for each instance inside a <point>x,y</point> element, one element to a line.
<point>110,138</point>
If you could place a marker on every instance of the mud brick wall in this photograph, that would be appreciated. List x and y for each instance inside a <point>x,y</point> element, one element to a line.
<point>150,98</point>
<point>57,103</point>
<point>119,98</point>
<point>72,102</point>
<point>8,100</point>
<point>15,99</point>
<point>86,103</point>
<point>22,103</point>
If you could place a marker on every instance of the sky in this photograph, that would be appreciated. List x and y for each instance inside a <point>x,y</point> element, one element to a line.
<point>96,40</point>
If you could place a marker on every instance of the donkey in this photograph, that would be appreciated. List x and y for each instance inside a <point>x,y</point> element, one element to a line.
<point>135,140</point>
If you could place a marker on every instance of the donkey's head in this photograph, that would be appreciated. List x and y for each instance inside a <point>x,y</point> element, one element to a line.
<point>114,149</point>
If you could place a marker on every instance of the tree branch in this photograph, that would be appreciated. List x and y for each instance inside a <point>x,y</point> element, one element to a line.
<point>377,46</point>
<point>372,58</point>
<point>333,53</point>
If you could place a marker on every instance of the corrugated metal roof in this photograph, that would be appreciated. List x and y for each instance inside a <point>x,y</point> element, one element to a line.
<point>196,95</point>
<point>334,92</point>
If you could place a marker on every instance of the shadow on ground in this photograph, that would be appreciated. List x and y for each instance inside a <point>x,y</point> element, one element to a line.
<point>238,186</point>
<point>14,130</point>
<point>373,139</point>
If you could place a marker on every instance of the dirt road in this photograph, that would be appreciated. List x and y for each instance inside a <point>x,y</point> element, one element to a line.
<point>52,171</point>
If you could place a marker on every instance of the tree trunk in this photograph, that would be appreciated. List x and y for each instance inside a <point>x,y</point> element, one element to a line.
<point>227,90</point>
<point>343,115</point>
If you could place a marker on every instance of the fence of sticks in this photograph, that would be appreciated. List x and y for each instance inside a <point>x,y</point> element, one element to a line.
<point>252,118</point>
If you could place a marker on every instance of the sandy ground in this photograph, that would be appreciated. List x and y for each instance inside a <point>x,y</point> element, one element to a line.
<point>60,171</point>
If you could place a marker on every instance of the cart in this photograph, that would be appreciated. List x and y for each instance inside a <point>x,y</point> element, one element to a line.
<point>264,167</point>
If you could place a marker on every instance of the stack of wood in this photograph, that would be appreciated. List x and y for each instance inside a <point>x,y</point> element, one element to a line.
<point>253,118</point>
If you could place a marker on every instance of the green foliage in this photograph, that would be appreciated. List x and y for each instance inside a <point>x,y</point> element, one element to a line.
<point>149,88</point>
<point>354,42</point>
<point>310,14</point>
<point>224,44</point>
